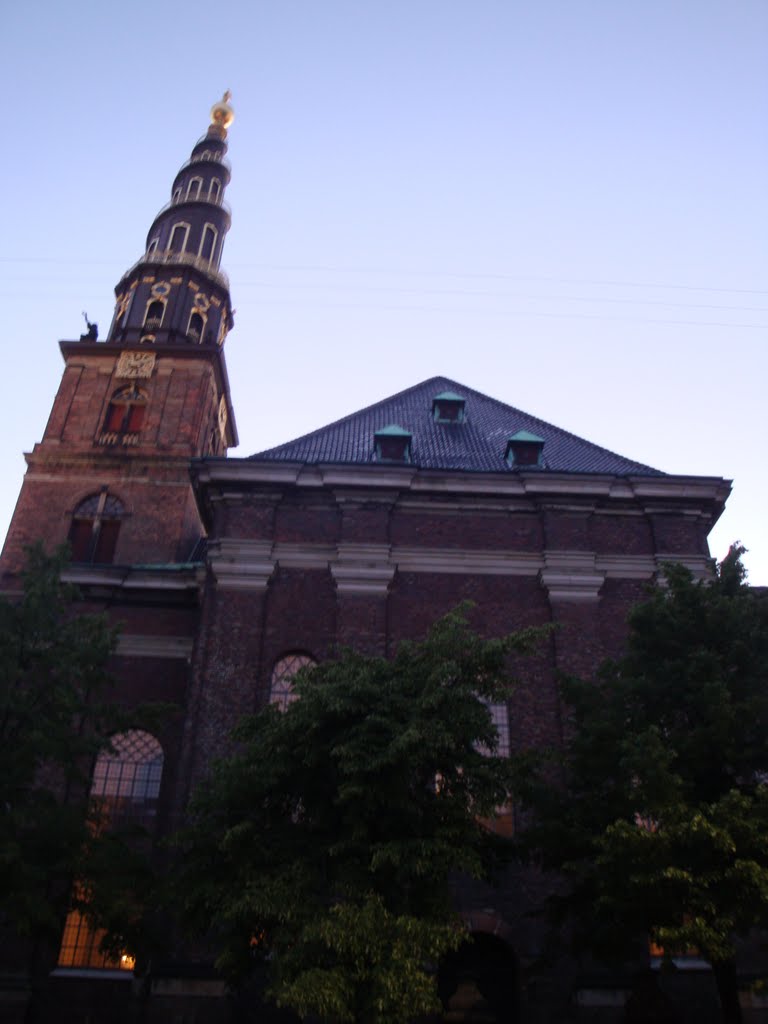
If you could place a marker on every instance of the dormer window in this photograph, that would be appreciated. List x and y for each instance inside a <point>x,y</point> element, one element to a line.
<point>524,451</point>
<point>448,407</point>
<point>393,444</point>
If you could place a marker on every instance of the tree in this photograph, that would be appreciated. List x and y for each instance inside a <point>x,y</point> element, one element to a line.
<point>55,716</point>
<point>326,845</point>
<point>660,822</point>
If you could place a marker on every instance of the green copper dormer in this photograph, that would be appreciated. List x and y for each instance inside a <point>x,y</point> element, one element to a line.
<point>392,444</point>
<point>524,451</point>
<point>448,407</point>
<point>176,293</point>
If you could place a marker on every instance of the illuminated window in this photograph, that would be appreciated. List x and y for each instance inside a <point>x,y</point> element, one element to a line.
<point>281,681</point>
<point>125,789</point>
<point>94,529</point>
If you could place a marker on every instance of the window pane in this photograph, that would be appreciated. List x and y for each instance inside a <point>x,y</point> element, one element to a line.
<point>281,689</point>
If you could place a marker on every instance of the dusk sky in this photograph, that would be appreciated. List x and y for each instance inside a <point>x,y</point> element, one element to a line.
<point>560,203</point>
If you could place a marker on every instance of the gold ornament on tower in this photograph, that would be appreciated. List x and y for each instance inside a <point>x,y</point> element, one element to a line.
<point>222,115</point>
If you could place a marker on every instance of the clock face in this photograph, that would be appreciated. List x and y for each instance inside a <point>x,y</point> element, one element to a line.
<point>136,364</point>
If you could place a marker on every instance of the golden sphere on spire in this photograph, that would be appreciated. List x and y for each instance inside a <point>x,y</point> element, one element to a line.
<point>222,114</point>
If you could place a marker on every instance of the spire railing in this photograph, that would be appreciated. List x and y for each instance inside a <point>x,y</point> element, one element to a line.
<point>213,158</point>
<point>187,259</point>
<point>210,200</point>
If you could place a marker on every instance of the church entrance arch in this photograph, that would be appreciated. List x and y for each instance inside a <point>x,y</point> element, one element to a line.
<point>479,984</point>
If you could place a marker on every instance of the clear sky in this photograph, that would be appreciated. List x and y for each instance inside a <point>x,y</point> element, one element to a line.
<point>561,203</point>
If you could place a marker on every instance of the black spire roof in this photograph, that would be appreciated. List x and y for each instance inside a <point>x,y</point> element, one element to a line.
<point>477,443</point>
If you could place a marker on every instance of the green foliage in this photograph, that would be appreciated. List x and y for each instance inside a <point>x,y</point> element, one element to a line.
<point>327,843</point>
<point>660,820</point>
<point>55,716</point>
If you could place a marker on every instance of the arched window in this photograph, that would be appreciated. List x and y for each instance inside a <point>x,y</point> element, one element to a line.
<point>193,188</point>
<point>152,247</point>
<point>176,195</point>
<point>214,190</point>
<point>208,241</point>
<point>196,326</point>
<point>281,680</point>
<point>125,414</point>
<point>153,317</point>
<point>124,791</point>
<point>178,242</point>
<point>94,529</point>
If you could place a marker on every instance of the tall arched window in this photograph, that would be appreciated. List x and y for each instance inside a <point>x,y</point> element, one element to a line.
<point>125,414</point>
<point>214,190</point>
<point>153,318</point>
<point>208,241</point>
<point>193,188</point>
<point>196,326</point>
<point>281,680</point>
<point>503,821</point>
<point>95,526</point>
<point>124,791</point>
<point>178,242</point>
<point>152,247</point>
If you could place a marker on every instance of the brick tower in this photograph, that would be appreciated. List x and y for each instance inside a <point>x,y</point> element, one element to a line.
<point>111,474</point>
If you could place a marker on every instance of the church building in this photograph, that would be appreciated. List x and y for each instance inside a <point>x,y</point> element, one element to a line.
<point>227,574</point>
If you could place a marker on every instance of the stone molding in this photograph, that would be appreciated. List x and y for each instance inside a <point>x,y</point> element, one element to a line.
<point>571,576</point>
<point>363,570</point>
<point>369,568</point>
<point>241,565</point>
<point>137,645</point>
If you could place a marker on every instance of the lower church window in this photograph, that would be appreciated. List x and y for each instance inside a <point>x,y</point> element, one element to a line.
<point>94,529</point>
<point>125,787</point>
<point>281,680</point>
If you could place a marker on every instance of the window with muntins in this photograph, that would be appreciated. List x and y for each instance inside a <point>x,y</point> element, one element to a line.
<point>95,527</point>
<point>124,791</point>
<point>125,414</point>
<point>281,680</point>
<point>503,821</point>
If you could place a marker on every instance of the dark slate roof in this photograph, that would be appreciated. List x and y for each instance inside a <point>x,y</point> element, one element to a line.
<point>476,445</point>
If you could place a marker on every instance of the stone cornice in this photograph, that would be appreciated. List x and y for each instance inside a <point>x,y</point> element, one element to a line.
<point>542,485</point>
<point>131,578</point>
